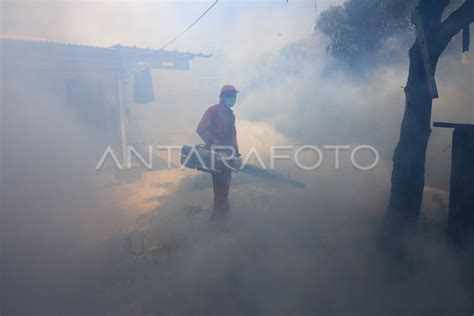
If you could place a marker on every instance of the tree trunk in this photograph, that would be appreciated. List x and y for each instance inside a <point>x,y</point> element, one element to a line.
<point>402,214</point>
<point>408,175</point>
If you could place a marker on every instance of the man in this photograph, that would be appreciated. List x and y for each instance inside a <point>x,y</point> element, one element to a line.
<point>217,128</point>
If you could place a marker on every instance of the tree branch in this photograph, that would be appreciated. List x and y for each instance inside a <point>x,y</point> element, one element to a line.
<point>431,11</point>
<point>456,21</point>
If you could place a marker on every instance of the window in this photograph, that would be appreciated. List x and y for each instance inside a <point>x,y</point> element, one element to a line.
<point>87,99</point>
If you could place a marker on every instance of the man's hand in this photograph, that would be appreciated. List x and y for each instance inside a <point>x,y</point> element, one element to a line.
<point>237,163</point>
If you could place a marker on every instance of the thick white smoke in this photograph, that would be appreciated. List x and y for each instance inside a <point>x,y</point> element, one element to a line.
<point>289,251</point>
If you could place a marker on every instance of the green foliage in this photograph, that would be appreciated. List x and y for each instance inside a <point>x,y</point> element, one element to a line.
<point>359,27</point>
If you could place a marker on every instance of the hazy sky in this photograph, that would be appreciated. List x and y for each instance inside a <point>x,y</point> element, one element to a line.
<point>239,29</point>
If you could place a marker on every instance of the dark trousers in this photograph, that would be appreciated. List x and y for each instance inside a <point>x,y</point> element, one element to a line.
<point>221,185</point>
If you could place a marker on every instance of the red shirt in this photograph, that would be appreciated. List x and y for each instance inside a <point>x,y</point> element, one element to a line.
<point>217,127</point>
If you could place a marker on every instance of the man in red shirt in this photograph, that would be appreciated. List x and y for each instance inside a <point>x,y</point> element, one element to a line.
<point>217,128</point>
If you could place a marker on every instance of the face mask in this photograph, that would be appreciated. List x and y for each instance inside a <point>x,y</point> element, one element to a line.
<point>229,101</point>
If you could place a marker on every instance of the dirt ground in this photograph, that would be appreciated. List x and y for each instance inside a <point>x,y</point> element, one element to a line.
<point>286,252</point>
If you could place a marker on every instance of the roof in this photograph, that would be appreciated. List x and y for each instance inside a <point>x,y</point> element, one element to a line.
<point>24,51</point>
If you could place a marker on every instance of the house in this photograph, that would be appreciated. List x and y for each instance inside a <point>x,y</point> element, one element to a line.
<point>63,104</point>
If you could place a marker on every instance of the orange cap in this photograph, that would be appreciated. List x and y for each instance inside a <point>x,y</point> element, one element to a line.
<point>229,88</point>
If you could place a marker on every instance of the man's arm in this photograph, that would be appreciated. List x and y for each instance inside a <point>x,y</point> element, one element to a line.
<point>205,128</point>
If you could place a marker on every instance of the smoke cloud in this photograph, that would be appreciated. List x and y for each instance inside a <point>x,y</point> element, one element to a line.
<point>78,243</point>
